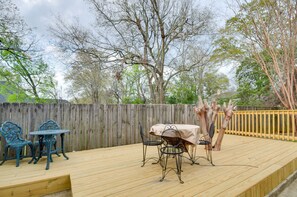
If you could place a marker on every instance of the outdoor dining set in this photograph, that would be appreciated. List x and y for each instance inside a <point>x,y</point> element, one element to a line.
<point>46,145</point>
<point>176,141</point>
<point>173,140</point>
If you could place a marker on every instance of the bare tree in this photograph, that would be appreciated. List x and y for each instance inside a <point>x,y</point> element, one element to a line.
<point>150,33</point>
<point>88,80</point>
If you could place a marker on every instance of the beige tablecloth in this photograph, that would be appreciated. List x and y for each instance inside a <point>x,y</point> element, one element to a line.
<point>189,133</point>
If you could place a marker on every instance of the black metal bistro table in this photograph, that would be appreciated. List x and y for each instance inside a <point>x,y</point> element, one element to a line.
<point>46,137</point>
<point>190,134</point>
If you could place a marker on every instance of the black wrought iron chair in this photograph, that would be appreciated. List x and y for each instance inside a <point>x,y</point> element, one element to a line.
<point>173,146</point>
<point>146,141</point>
<point>48,125</point>
<point>12,133</point>
<point>207,142</point>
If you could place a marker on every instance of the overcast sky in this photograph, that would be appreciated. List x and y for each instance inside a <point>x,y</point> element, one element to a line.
<point>39,14</point>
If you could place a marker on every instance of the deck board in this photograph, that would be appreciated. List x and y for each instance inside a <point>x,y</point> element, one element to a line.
<point>245,166</point>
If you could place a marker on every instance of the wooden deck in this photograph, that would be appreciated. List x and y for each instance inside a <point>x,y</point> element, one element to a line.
<point>245,166</point>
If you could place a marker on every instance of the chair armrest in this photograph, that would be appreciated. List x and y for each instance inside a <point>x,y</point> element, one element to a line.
<point>20,137</point>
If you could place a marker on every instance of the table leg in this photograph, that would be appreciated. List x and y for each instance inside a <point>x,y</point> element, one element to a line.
<point>62,144</point>
<point>40,148</point>
<point>48,152</point>
<point>33,153</point>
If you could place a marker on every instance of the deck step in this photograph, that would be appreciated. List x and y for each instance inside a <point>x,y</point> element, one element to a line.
<point>38,188</point>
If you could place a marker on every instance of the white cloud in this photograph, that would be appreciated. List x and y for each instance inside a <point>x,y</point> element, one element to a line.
<point>40,14</point>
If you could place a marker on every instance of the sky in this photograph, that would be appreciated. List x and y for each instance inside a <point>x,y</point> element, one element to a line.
<point>39,14</point>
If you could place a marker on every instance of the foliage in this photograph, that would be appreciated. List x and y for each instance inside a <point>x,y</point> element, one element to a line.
<point>27,79</point>
<point>26,76</point>
<point>264,32</point>
<point>133,88</point>
<point>182,93</point>
<point>188,87</point>
<point>254,87</point>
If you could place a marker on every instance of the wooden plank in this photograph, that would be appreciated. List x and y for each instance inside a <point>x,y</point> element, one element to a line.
<point>109,125</point>
<point>119,123</point>
<point>98,124</point>
<point>1,112</point>
<point>114,125</point>
<point>101,125</point>
<point>84,126</point>
<point>128,126</point>
<point>2,120</point>
<point>91,136</point>
<point>38,188</point>
<point>105,133</point>
<point>133,124</point>
<point>66,124</point>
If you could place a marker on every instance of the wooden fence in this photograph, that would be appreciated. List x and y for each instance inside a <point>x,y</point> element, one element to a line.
<point>98,126</point>
<point>95,126</point>
<point>272,124</point>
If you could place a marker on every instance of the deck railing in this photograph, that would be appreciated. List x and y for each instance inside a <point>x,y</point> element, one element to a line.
<point>272,124</point>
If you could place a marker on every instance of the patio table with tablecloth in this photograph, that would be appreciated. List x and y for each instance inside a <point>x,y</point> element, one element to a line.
<point>189,134</point>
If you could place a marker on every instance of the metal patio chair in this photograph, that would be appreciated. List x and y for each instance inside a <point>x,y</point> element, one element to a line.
<point>146,141</point>
<point>208,143</point>
<point>48,125</point>
<point>12,133</point>
<point>173,147</point>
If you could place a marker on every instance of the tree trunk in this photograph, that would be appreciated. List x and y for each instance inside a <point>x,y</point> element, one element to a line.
<point>206,115</point>
<point>228,111</point>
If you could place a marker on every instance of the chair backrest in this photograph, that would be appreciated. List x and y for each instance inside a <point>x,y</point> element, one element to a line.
<point>11,132</point>
<point>211,130</point>
<point>143,138</point>
<point>172,136</point>
<point>48,125</point>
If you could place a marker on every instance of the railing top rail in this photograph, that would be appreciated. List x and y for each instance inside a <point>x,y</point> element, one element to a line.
<point>264,111</point>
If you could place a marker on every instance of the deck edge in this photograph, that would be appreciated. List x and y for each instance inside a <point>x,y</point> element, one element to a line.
<point>272,181</point>
<point>38,187</point>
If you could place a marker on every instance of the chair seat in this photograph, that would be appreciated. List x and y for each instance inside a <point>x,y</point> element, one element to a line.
<point>171,150</point>
<point>203,142</point>
<point>20,143</point>
<point>152,142</point>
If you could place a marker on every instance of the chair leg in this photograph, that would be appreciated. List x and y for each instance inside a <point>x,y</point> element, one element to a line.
<point>32,153</point>
<point>5,155</point>
<point>18,155</point>
<point>178,160</point>
<point>164,166</point>
<point>206,152</point>
<point>159,153</point>
<point>144,147</point>
<point>210,157</point>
